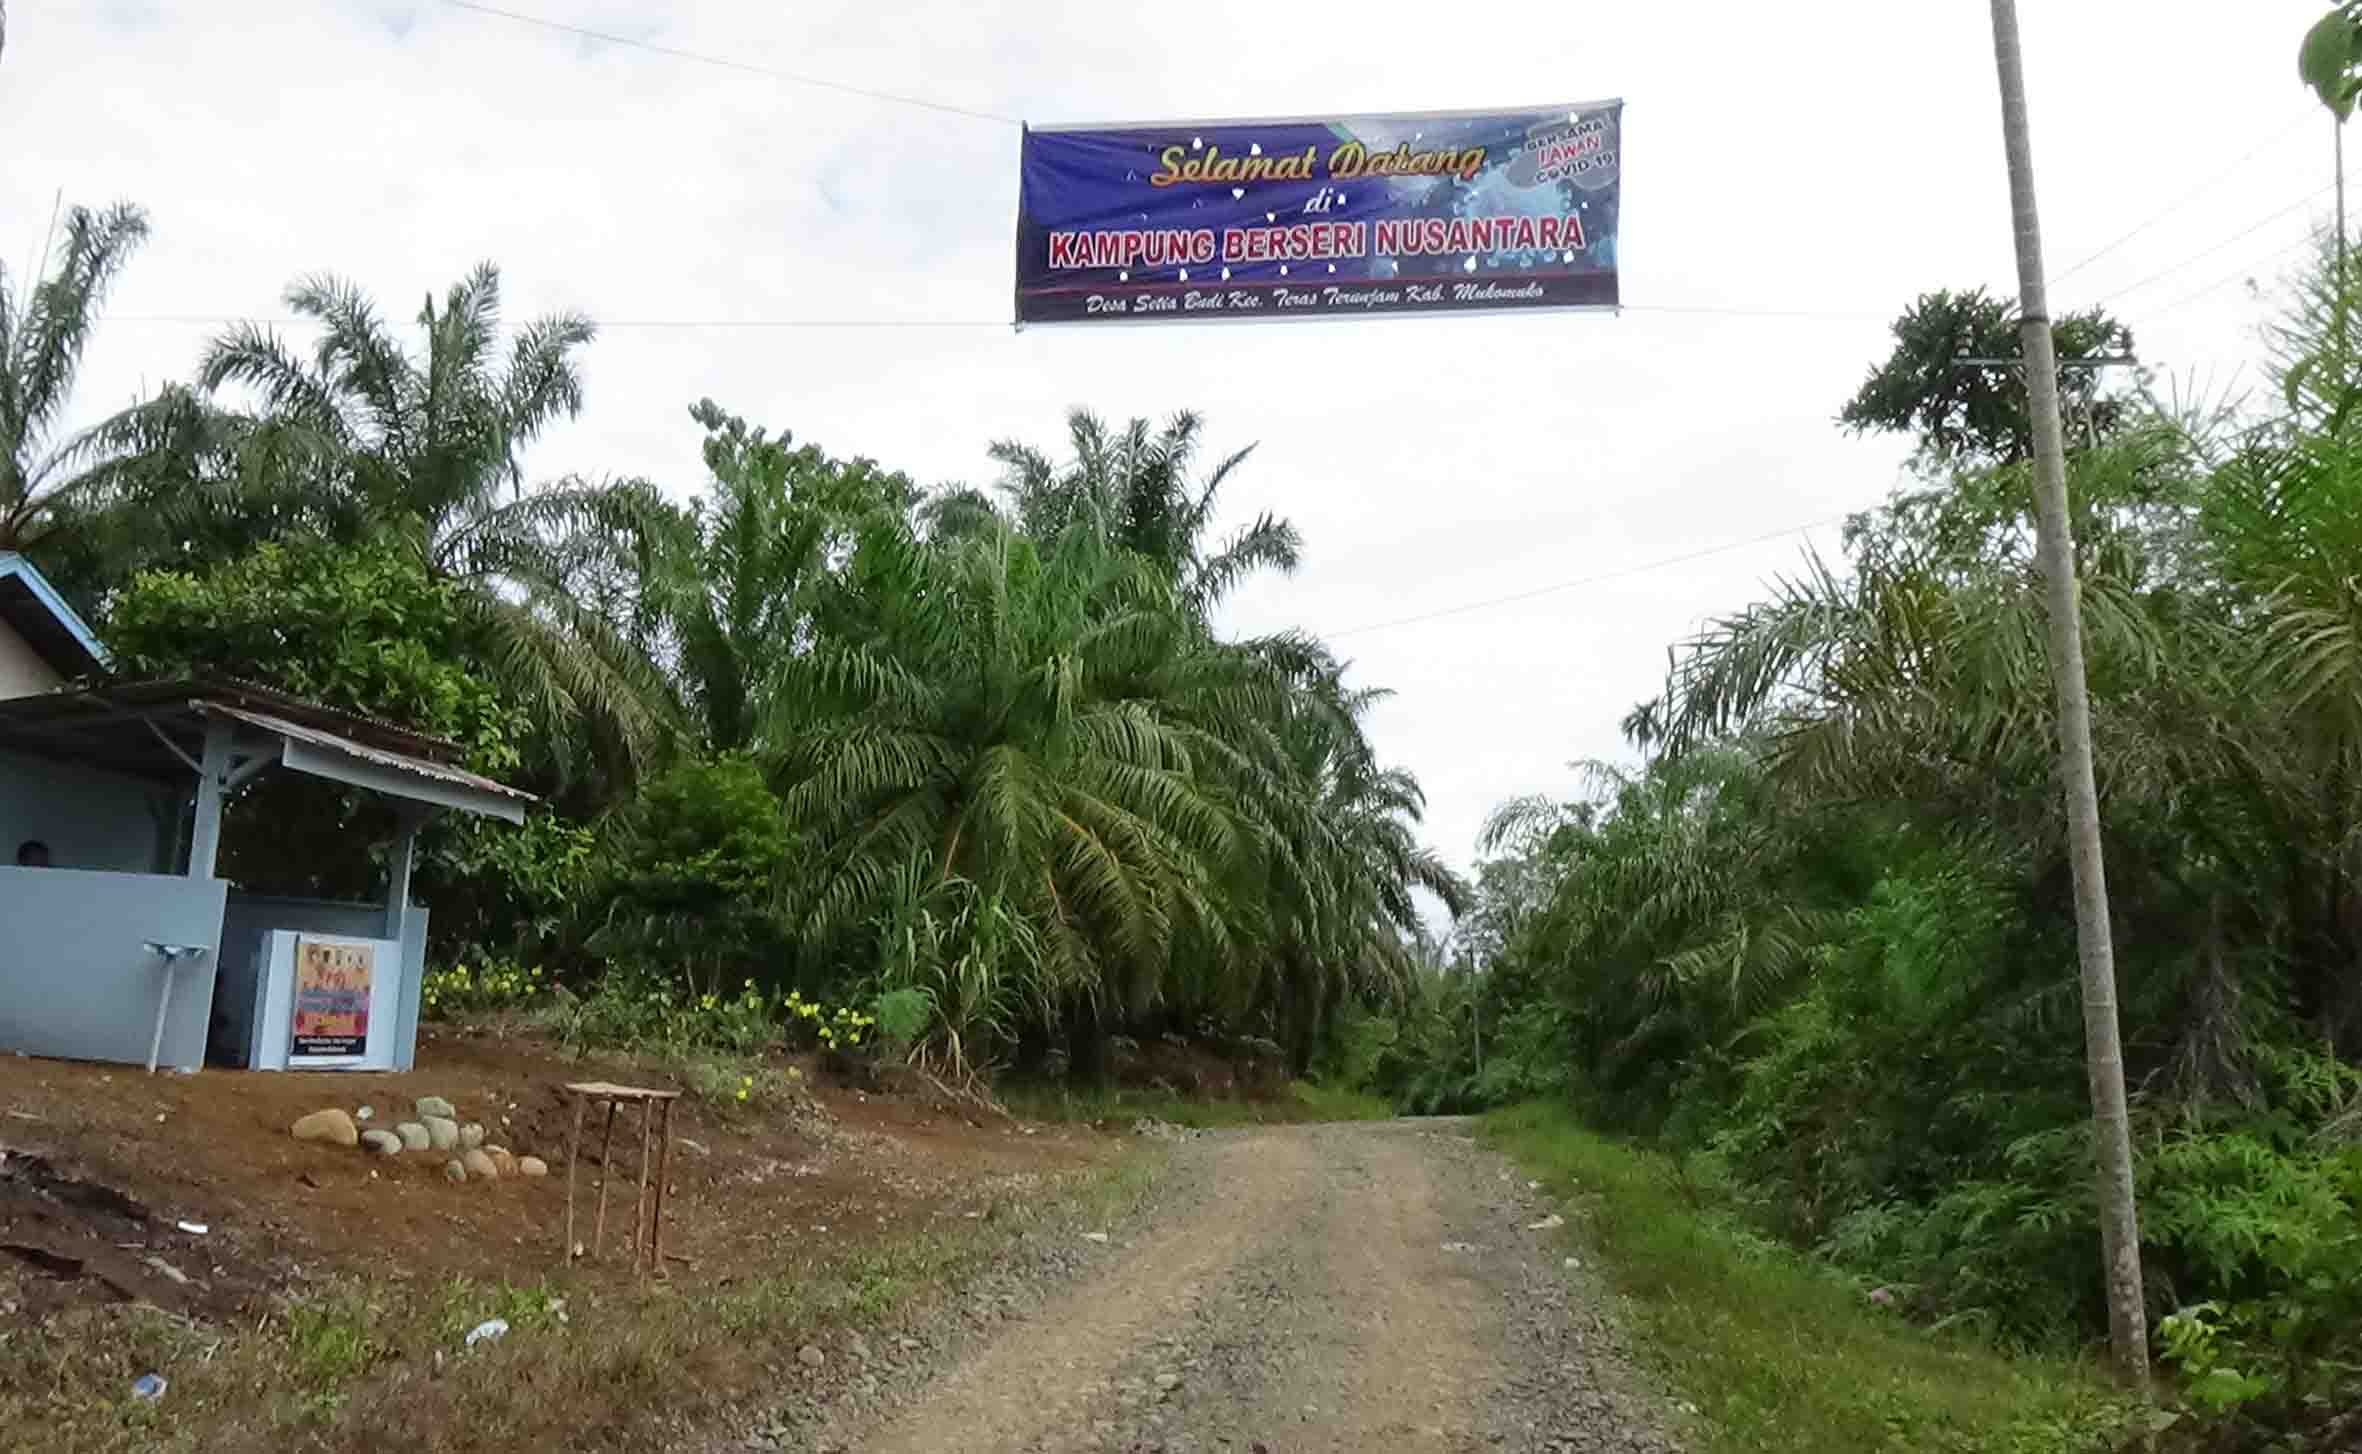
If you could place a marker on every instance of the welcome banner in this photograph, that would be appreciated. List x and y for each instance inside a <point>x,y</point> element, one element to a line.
<point>1424,212</point>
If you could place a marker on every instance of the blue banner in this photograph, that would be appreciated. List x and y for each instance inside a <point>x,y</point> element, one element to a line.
<point>1438,212</point>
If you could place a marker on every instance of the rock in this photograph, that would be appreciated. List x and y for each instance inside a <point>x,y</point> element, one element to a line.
<point>1167,1382</point>
<point>365,1113</point>
<point>331,1125</point>
<point>384,1143</point>
<point>453,1171</point>
<point>858,1347</point>
<point>505,1162</point>
<point>1099,1237</point>
<point>442,1132</point>
<point>810,1356</point>
<point>436,1106</point>
<point>479,1166</point>
<point>471,1135</point>
<point>532,1166</point>
<point>414,1137</point>
<point>1550,1223</point>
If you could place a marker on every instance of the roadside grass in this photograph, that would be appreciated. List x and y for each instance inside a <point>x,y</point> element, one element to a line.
<point>1778,1354</point>
<point>1302,1101</point>
<point>591,1359</point>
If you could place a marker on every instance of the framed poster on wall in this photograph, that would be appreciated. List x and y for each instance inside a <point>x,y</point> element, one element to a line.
<point>333,981</point>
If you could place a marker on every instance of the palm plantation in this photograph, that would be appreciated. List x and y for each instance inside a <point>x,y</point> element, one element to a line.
<point>986,758</point>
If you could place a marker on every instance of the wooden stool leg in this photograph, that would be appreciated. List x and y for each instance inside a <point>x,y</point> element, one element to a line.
<point>639,1200</point>
<point>664,1173</point>
<point>606,1174</point>
<point>573,1155</point>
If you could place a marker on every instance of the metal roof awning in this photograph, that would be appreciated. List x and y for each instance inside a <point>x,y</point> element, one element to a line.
<point>156,730</point>
<point>338,759</point>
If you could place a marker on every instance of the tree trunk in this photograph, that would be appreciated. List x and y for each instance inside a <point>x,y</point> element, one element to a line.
<point>2338,141</point>
<point>2128,1336</point>
<point>1086,1044</point>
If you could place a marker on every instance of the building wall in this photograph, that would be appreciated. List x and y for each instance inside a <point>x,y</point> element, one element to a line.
<point>77,979</point>
<point>22,672</point>
<point>89,819</point>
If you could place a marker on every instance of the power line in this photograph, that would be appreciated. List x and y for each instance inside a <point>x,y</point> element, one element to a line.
<point>1593,580</point>
<point>219,320</point>
<point>2259,225</point>
<point>1711,311</point>
<point>2247,271</point>
<point>749,67</point>
<point>216,320</point>
<point>2187,193</point>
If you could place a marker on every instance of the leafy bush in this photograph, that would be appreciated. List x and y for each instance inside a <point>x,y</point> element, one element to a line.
<point>487,987</point>
<point>691,888</point>
<point>645,1013</point>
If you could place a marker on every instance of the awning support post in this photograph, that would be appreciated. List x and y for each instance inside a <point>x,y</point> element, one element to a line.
<point>399,864</point>
<point>213,785</point>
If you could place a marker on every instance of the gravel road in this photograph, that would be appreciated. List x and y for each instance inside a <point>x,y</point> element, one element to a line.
<point>1299,1290</point>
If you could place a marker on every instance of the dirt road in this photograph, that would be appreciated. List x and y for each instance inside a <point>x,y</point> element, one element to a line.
<point>1307,1290</point>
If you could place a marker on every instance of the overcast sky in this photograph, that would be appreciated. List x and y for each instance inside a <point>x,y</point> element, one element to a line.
<point>1430,463</point>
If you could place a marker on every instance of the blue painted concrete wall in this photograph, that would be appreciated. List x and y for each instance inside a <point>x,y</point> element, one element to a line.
<point>75,979</point>
<point>89,819</point>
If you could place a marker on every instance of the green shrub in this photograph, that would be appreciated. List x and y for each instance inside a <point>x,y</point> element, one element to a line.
<point>487,987</point>
<point>691,894</point>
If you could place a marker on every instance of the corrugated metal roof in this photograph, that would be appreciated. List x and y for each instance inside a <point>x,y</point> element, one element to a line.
<point>399,762</point>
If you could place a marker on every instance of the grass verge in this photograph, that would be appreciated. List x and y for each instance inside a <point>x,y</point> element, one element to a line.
<point>591,1360</point>
<point>1778,1354</point>
<point>1302,1101</point>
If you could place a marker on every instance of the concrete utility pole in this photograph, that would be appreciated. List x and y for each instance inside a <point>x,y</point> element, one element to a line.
<point>2120,1237</point>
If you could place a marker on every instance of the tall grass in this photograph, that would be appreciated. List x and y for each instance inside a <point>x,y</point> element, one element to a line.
<point>1776,1353</point>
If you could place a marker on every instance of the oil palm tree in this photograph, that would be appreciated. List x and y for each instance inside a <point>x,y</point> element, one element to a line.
<point>1036,723</point>
<point>1133,488</point>
<point>1336,862</point>
<point>44,328</point>
<point>423,452</point>
<point>738,588</point>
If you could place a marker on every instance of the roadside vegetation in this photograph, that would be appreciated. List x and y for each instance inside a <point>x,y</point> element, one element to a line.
<point>1781,1353</point>
<point>1815,942</point>
<point>1294,1103</point>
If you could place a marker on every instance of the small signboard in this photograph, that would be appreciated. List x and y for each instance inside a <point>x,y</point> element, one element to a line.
<point>332,990</point>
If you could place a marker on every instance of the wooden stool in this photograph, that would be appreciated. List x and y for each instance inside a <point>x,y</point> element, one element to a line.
<point>647,1231</point>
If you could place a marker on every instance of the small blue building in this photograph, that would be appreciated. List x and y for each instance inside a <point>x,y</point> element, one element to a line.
<point>117,942</point>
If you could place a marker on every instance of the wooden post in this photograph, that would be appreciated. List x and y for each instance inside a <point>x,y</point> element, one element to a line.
<point>640,1198</point>
<point>606,1168</point>
<point>664,1172</point>
<point>573,1156</point>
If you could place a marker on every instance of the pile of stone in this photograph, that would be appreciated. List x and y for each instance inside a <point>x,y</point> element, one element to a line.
<point>437,1131</point>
